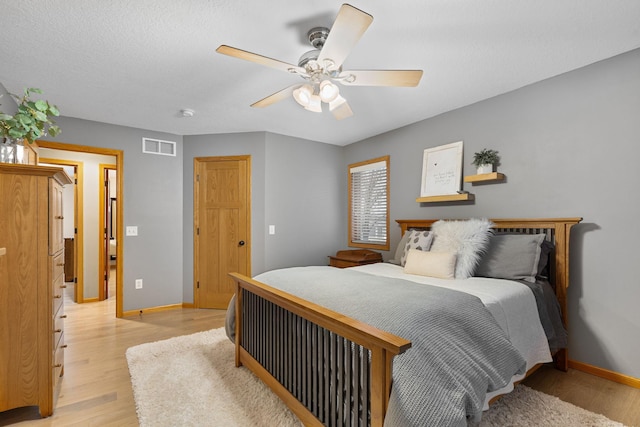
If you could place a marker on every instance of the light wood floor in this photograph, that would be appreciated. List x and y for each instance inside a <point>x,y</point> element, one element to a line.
<point>616,401</point>
<point>96,390</point>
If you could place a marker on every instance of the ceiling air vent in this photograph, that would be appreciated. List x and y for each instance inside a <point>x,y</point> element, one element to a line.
<point>158,146</point>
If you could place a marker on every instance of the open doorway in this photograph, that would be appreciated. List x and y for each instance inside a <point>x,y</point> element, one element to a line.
<point>94,253</point>
<point>108,218</point>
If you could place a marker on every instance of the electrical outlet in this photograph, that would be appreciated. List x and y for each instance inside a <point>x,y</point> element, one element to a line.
<point>131,230</point>
<point>138,283</point>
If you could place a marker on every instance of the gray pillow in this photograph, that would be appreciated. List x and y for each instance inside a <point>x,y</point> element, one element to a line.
<point>511,256</point>
<point>543,265</point>
<point>418,239</point>
<point>400,249</point>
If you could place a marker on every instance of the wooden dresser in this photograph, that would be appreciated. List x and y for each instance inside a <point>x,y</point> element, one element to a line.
<point>31,286</point>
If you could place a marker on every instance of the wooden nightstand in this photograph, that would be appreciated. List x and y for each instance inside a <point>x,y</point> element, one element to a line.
<point>352,258</point>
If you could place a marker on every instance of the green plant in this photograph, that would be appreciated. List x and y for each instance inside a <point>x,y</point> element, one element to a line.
<point>485,157</point>
<point>32,120</point>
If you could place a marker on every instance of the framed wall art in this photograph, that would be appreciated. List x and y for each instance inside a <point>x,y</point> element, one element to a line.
<point>442,170</point>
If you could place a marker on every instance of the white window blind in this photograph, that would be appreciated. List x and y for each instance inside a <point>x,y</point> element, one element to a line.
<point>369,204</point>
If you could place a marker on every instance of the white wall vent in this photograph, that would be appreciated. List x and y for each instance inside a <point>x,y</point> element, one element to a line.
<point>158,146</point>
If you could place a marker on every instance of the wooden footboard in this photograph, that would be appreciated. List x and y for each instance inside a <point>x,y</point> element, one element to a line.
<point>329,369</point>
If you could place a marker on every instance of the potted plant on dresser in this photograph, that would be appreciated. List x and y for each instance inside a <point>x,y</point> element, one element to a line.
<point>31,121</point>
<point>486,161</point>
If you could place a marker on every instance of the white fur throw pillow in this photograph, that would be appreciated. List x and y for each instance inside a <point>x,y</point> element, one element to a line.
<point>432,264</point>
<point>418,239</point>
<point>467,238</point>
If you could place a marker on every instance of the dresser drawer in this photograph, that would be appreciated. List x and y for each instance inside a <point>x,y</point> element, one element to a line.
<point>58,293</point>
<point>57,267</point>
<point>58,362</point>
<point>58,327</point>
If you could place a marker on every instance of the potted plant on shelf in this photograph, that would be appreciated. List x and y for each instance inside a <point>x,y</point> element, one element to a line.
<point>486,161</point>
<point>31,121</point>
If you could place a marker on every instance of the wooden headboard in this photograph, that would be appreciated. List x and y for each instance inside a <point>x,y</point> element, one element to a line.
<point>557,231</point>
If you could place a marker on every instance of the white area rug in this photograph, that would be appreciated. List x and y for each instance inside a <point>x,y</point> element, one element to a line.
<point>192,381</point>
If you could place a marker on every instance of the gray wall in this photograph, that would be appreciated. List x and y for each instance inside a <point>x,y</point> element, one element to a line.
<point>569,147</point>
<point>152,201</point>
<point>304,183</point>
<point>7,104</point>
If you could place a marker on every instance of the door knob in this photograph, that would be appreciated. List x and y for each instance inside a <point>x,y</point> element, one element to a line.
<point>241,243</point>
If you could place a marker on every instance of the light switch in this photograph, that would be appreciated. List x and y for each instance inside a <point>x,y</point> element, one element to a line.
<point>272,229</point>
<point>132,230</point>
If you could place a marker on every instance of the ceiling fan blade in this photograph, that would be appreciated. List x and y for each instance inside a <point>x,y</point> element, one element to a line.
<point>340,108</point>
<point>276,97</point>
<point>406,78</point>
<point>349,26</point>
<point>259,59</point>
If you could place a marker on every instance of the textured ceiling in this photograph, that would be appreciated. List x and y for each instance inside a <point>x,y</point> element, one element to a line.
<point>137,63</point>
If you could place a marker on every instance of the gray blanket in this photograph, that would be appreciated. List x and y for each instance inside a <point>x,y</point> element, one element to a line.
<point>549,312</point>
<point>458,353</point>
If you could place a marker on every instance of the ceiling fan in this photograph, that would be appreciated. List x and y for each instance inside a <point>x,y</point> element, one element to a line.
<point>322,67</point>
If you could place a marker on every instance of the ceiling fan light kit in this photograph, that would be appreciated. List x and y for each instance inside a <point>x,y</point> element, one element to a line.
<point>328,91</point>
<point>315,104</point>
<point>322,67</point>
<point>302,95</point>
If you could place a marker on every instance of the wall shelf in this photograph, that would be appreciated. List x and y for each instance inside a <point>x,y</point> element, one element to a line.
<point>446,198</point>
<point>485,177</point>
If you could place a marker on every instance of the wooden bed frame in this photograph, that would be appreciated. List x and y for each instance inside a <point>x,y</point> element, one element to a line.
<point>340,374</point>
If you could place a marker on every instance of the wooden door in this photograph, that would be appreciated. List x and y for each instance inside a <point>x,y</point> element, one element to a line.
<point>222,227</point>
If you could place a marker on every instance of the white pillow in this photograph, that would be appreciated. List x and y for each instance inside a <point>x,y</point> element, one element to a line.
<point>418,239</point>
<point>432,264</point>
<point>467,238</point>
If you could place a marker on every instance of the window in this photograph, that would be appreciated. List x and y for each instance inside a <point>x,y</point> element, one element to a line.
<point>369,204</point>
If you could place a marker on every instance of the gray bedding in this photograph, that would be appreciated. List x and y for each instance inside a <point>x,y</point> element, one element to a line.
<point>549,312</point>
<point>458,353</point>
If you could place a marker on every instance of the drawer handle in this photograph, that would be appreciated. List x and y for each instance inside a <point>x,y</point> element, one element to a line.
<point>57,331</point>
<point>57,296</point>
<point>58,365</point>
<point>63,286</point>
<point>59,217</point>
<point>64,316</point>
<point>60,264</point>
<point>63,346</point>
